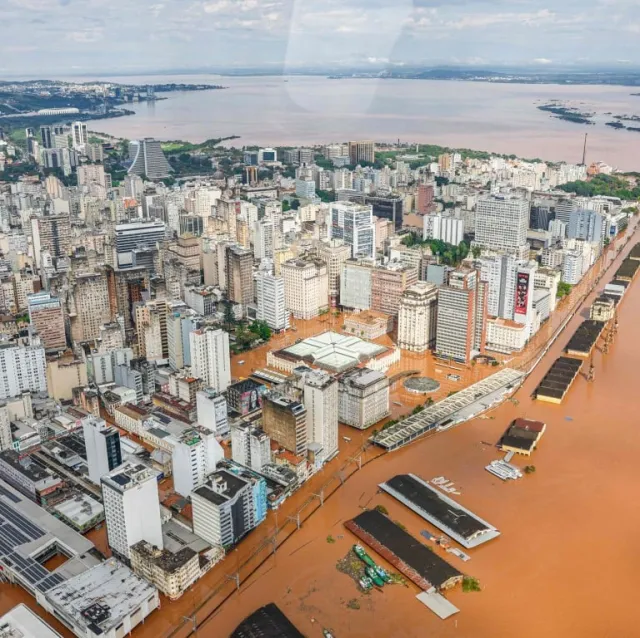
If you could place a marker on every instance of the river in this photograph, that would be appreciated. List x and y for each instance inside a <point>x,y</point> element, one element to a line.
<point>298,110</point>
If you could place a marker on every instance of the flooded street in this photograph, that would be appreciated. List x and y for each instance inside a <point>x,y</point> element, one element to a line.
<point>559,560</point>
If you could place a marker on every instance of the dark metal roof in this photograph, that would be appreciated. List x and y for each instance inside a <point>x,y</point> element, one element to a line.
<point>266,622</point>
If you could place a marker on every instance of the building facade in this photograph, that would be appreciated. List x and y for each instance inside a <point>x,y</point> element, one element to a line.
<point>418,317</point>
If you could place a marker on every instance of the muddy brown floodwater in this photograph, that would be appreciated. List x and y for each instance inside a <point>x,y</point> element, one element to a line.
<point>565,565</point>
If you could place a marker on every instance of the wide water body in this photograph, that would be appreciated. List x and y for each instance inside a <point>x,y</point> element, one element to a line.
<point>305,110</point>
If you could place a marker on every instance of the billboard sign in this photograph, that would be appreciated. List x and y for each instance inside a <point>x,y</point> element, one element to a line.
<point>522,293</point>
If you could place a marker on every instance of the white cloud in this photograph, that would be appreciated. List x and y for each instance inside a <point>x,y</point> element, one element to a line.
<point>542,61</point>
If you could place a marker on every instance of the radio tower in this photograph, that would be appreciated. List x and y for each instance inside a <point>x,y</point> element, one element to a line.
<point>584,150</point>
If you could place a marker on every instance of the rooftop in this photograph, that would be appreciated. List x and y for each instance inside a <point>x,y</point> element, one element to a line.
<point>80,508</point>
<point>333,351</point>
<point>163,558</point>
<point>21,622</point>
<point>128,475</point>
<point>101,597</point>
<point>362,378</point>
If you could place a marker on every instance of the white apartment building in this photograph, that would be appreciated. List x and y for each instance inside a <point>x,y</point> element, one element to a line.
<point>417,317</point>
<point>502,222</point>
<point>211,408</point>
<point>23,369</point>
<point>194,456</point>
<point>223,510</point>
<point>355,285</point>
<point>444,228</point>
<point>506,336</point>
<point>210,360</point>
<point>131,508</point>
<point>270,298</point>
<point>250,446</point>
<point>354,224</point>
<point>264,239</point>
<point>306,287</point>
<point>572,267</point>
<point>363,398</point>
<point>321,402</point>
<point>548,279</point>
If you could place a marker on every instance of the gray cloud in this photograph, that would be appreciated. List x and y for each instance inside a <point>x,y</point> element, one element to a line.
<point>119,35</point>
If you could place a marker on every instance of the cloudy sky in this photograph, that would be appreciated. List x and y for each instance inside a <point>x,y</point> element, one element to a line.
<point>45,37</point>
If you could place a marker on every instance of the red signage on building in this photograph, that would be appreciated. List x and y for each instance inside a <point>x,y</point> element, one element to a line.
<point>522,293</point>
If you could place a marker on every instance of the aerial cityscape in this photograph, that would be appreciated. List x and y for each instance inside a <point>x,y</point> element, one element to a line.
<point>276,376</point>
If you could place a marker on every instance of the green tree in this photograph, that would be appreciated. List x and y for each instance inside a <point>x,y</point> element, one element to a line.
<point>563,289</point>
<point>229,315</point>
<point>261,329</point>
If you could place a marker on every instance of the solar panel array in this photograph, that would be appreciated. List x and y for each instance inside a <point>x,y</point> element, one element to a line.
<point>15,531</point>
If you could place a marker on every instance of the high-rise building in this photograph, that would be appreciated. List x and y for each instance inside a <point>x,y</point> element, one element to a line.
<point>148,159</point>
<point>388,284</point>
<point>102,443</point>
<point>363,398</point>
<point>306,287</point>
<point>52,234</point>
<point>424,199</point>
<point>92,307</point>
<point>239,274</point>
<point>355,285</point>
<point>194,456</point>
<point>586,224</point>
<point>47,317</point>
<point>211,409</point>
<point>444,228</point>
<point>210,357</point>
<point>250,446</point>
<point>563,210</point>
<point>264,242</point>
<point>321,403</point>
<point>362,151</point>
<point>24,369</point>
<point>334,253</point>
<point>389,207</point>
<point>572,267</point>
<point>151,328</point>
<point>354,224</point>
<point>131,508</point>
<point>132,240</point>
<point>45,137</point>
<point>270,299</point>
<point>224,509</point>
<point>417,317</point>
<point>285,422</point>
<point>180,323</point>
<point>502,222</point>
<point>79,135</point>
<point>461,324</point>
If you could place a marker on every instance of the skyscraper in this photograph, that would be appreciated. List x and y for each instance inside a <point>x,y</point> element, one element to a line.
<point>362,151</point>
<point>334,253</point>
<point>285,422</point>
<point>270,300</point>
<point>502,222</point>
<point>306,290</point>
<point>417,317</point>
<point>46,316</point>
<point>79,135</point>
<point>210,357</point>
<point>51,233</point>
<point>136,238</point>
<point>354,224</point>
<point>131,508</point>
<point>102,443</point>
<point>92,307</point>
<point>321,403</point>
<point>194,456</point>
<point>45,136</point>
<point>148,159</point>
<point>461,316</point>
<point>239,275</point>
